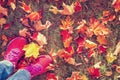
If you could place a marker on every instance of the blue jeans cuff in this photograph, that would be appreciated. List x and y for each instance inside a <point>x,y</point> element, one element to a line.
<point>21,74</point>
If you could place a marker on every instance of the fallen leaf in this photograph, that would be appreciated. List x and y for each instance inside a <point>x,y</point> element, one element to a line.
<point>40,38</point>
<point>77,7</point>
<point>91,52</point>
<point>117,49</point>
<point>89,44</point>
<point>13,6</point>
<point>7,26</point>
<point>76,76</point>
<point>108,73</point>
<point>66,24</point>
<point>24,32</point>
<point>110,57</point>
<point>2,21</point>
<point>51,76</point>
<point>39,26</point>
<point>118,69</point>
<point>94,72</point>
<point>33,16</point>
<point>53,9</point>
<point>67,42</point>
<point>102,40</point>
<point>25,7</point>
<point>31,49</point>
<point>71,61</point>
<point>82,27</point>
<point>67,9</point>
<point>25,21</point>
<point>102,49</point>
<point>3,10</point>
<point>116,5</point>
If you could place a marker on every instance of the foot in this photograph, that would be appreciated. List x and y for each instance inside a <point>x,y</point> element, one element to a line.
<point>14,50</point>
<point>40,66</point>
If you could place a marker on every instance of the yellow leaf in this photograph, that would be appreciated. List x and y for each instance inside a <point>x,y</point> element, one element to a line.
<point>31,49</point>
<point>110,57</point>
<point>2,21</point>
<point>53,9</point>
<point>71,61</point>
<point>13,6</point>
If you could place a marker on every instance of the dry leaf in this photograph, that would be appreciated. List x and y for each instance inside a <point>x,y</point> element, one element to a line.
<point>67,42</point>
<point>2,21</point>
<point>13,6</point>
<point>90,44</point>
<point>25,7</point>
<point>67,9</point>
<point>33,16</point>
<point>67,23</point>
<point>117,49</point>
<point>24,32</point>
<point>54,9</point>
<point>116,5</point>
<point>3,10</point>
<point>40,38</point>
<point>102,40</point>
<point>110,57</point>
<point>39,26</point>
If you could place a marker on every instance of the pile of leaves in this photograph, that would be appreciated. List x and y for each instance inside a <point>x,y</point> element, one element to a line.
<point>81,36</point>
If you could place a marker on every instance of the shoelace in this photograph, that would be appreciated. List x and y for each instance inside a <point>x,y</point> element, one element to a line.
<point>13,55</point>
<point>34,69</point>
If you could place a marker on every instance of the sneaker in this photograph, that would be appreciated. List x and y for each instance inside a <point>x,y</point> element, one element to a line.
<point>40,66</point>
<point>14,50</point>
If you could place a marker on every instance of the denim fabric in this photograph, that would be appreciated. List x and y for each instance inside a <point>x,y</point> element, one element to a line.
<point>21,74</point>
<point>6,68</point>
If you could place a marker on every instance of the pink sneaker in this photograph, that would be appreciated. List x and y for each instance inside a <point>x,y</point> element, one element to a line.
<point>40,66</point>
<point>14,50</point>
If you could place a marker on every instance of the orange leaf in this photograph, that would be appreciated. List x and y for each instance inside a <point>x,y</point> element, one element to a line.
<point>82,27</point>
<point>39,26</point>
<point>90,44</point>
<point>102,40</point>
<point>3,10</point>
<point>24,32</point>
<point>66,24</point>
<point>71,61</point>
<point>25,7</point>
<point>67,9</point>
<point>106,13</point>
<point>67,42</point>
<point>116,5</point>
<point>34,16</point>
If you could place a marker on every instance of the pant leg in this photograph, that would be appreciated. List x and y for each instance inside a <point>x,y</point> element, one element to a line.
<point>21,74</point>
<point>6,68</point>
